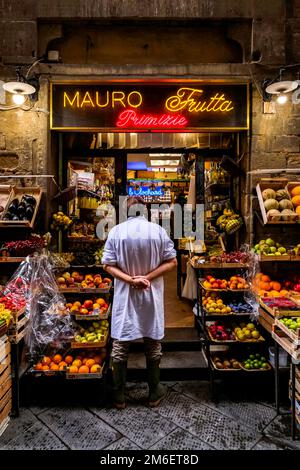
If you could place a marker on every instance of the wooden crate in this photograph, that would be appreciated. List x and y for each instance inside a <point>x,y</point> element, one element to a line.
<point>17,193</point>
<point>266,320</point>
<point>5,406</point>
<point>272,183</point>
<point>285,342</point>
<point>4,352</point>
<point>5,191</point>
<point>293,335</point>
<point>17,330</point>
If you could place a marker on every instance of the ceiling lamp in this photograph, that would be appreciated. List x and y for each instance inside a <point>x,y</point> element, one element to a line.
<point>19,90</point>
<point>282,98</point>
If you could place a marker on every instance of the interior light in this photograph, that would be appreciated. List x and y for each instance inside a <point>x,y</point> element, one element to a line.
<point>164,162</point>
<point>282,98</point>
<point>165,154</point>
<point>18,98</point>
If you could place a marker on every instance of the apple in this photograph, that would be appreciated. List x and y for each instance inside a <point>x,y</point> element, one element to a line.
<point>75,274</point>
<point>66,275</point>
<point>69,280</point>
<point>61,280</point>
<point>88,304</point>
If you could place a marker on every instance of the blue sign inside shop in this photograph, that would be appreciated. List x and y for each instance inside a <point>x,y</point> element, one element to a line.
<point>146,191</point>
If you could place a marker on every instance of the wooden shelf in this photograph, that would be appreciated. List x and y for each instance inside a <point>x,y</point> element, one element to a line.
<point>12,259</point>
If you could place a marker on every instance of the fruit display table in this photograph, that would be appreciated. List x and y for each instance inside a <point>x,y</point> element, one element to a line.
<point>224,311</point>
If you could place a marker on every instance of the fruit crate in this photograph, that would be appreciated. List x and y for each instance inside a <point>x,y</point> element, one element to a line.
<point>277,312</point>
<point>294,335</point>
<point>222,356</point>
<point>285,342</point>
<point>275,184</point>
<point>5,191</point>
<point>5,383</point>
<point>17,193</point>
<point>99,344</point>
<point>89,376</point>
<point>268,258</point>
<point>222,341</point>
<point>17,329</point>
<point>257,370</point>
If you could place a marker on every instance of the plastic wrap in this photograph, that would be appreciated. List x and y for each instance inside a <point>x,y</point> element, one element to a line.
<point>17,290</point>
<point>250,295</point>
<point>48,322</point>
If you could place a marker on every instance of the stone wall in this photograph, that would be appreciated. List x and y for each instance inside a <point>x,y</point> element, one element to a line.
<point>26,29</point>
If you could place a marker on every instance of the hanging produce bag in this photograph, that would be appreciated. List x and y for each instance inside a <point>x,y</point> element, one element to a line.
<point>190,286</point>
<point>48,322</point>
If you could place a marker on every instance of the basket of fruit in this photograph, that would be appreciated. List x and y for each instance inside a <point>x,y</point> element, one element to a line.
<point>275,202</point>
<point>256,363</point>
<point>215,306</point>
<point>220,333</point>
<point>210,283</point>
<point>247,333</point>
<point>223,363</point>
<point>91,336</point>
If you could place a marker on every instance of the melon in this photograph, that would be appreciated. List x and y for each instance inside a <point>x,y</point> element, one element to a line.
<point>288,214</point>
<point>296,200</point>
<point>295,191</point>
<point>268,194</point>
<point>282,194</point>
<point>285,204</point>
<point>274,215</point>
<point>271,204</point>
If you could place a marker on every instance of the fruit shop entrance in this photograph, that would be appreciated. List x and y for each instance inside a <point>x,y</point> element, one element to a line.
<point>103,171</point>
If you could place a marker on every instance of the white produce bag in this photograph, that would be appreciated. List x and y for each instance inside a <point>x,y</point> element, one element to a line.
<point>190,286</point>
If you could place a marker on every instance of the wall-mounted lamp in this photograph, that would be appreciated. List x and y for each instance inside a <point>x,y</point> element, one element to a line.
<point>19,90</point>
<point>278,87</point>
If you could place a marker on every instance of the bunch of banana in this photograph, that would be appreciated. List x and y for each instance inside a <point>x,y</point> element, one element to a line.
<point>229,221</point>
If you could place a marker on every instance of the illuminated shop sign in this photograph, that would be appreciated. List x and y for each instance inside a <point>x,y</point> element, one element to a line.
<point>167,105</point>
<point>145,191</point>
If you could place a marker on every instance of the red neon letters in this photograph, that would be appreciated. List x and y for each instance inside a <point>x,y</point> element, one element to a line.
<point>130,119</point>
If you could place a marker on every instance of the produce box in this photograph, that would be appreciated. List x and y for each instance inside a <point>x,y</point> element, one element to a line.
<point>275,184</point>
<point>5,383</point>
<point>5,191</point>
<point>226,362</point>
<point>18,326</point>
<point>18,193</point>
<point>89,376</point>
<point>293,334</point>
<point>285,342</point>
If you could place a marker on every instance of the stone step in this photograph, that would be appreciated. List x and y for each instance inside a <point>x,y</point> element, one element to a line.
<point>175,365</point>
<point>176,339</point>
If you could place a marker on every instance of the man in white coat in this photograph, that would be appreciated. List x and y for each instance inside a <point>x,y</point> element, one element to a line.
<point>138,253</point>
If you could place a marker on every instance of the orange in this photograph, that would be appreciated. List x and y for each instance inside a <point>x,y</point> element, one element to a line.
<point>45,367</point>
<point>77,363</point>
<point>38,366</point>
<point>62,366</point>
<point>100,301</point>
<point>95,368</point>
<point>46,360</point>
<point>283,292</point>
<point>95,306</point>
<point>54,367</point>
<point>90,362</point>
<point>77,304</point>
<point>265,278</point>
<point>73,370</point>
<point>83,370</point>
<point>69,359</point>
<point>275,285</point>
<point>57,358</point>
<point>62,363</point>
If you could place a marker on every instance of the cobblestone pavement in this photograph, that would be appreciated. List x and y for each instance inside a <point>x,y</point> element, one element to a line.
<point>186,420</point>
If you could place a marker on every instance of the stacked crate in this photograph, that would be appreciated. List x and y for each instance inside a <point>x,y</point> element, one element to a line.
<point>5,383</point>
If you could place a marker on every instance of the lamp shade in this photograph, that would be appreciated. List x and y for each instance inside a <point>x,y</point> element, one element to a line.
<point>20,88</point>
<point>282,87</point>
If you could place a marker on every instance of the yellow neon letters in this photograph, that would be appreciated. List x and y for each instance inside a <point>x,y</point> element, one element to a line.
<point>106,99</point>
<point>189,99</point>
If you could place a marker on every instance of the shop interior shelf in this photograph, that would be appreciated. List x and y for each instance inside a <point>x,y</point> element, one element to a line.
<point>12,259</point>
<point>77,290</point>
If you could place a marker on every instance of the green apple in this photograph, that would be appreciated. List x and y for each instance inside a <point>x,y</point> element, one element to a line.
<point>270,242</point>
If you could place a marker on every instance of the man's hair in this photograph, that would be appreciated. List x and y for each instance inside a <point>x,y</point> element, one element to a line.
<point>132,200</point>
<point>135,201</point>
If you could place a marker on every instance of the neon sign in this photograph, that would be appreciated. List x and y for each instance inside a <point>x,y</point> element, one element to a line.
<point>188,98</point>
<point>168,105</point>
<point>130,118</point>
<point>146,191</point>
